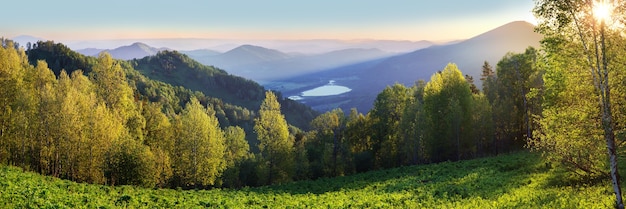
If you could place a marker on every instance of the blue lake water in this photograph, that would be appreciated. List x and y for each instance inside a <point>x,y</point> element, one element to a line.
<point>329,89</point>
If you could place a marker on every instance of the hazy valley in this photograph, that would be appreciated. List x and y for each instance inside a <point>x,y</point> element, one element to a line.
<point>365,67</point>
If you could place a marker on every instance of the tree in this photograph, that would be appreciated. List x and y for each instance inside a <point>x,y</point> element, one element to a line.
<point>358,134</point>
<point>564,22</point>
<point>329,154</point>
<point>13,68</point>
<point>482,124</point>
<point>275,145</point>
<point>44,83</point>
<point>112,88</point>
<point>447,106</point>
<point>470,81</point>
<point>515,72</point>
<point>158,135</point>
<point>237,151</point>
<point>200,146</point>
<point>131,163</point>
<point>412,126</point>
<point>386,115</point>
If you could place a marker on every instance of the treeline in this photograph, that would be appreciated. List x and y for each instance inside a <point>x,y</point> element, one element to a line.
<point>172,79</point>
<point>115,126</point>
<point>447,118</point>
<point>100,127</point>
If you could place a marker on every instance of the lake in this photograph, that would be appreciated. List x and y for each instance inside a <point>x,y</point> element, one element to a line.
<point>329,89</point>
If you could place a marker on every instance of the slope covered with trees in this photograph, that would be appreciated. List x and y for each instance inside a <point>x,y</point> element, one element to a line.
<point>112,125</point>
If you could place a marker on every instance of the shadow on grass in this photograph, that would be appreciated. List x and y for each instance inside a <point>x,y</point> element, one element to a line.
<point>486,177</point>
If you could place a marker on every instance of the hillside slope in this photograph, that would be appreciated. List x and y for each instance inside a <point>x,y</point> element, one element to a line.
<point>521,180</point>
<point>179,70</point>
<point>173,77</point>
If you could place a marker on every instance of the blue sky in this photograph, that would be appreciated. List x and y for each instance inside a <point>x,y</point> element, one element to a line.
<point>255,19</point>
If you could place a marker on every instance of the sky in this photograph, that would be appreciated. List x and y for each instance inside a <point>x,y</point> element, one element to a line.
<point>438,20</point>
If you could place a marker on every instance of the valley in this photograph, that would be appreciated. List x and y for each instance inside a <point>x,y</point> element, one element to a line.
<point>312,104</point>
<point>297,66</point>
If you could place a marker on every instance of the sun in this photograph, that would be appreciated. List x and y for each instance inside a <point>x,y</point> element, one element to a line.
<point>602,10</point>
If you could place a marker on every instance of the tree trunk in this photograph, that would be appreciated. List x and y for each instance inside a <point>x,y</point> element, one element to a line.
<point>607,121</point>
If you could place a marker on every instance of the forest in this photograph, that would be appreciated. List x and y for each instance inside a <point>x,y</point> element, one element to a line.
<point>111,127</point>
<point>105,121</point>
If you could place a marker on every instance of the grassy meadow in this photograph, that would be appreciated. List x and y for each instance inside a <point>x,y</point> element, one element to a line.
<point>518,180</point>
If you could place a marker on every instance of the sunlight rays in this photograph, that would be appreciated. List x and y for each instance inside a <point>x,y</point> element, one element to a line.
<point>602,10</point>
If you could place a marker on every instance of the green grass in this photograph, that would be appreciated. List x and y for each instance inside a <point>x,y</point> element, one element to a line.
<point>520,180</point>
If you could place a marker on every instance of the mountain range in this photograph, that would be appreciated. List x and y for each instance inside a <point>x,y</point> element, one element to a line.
<point>266,65</point>
<point>134,51</point>
<point>367,79</point>
<point>255,62</point>
<point>362,66</point>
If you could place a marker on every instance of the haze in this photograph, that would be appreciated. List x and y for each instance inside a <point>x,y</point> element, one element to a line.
<point>73,20</point>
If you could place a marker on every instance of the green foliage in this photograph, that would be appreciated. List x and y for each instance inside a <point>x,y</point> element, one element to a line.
<point>130,163</point>
<point>275,145</point>
<point>179,70</point>
<point>386,116</point>
<point>328,152</point>
<point>447,105</point>
<point>59,57</point>
<point>200,147</point>
<point>237,152</point>
<point>571,131</point>
<point>521,180</point>
<point>515,72</point>
<point>71,126</point>
<point>413,127</point>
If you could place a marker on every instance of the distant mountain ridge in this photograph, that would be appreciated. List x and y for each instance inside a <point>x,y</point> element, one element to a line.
<point>254,62</point>
<point>247,55</point>
<point>265,65</point>
<point>368,78</point>
<point>308,47</point>
<point>469,55</point>
<point>134,51</point>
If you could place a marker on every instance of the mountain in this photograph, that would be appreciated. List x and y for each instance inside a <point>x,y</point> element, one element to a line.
<point>171,78</point>
<point>469,55</point>
<point>367,79</point>
<point>134,51</point>
<point>201,54</point>
<point>266,65</point>
<point>179,69</point>
<point>249,55</point>
<point>395,46</point>
<point>90,51</point>
<point>320,46</point>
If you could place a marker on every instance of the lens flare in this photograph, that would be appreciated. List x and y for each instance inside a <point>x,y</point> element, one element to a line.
<point>602,10</point>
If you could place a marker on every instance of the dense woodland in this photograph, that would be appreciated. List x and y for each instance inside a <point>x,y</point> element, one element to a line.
<point>113,125</point>
<point>167,121</point>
